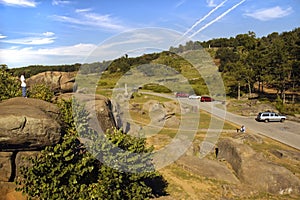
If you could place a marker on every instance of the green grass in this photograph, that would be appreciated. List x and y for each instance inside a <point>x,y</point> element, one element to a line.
<point>170,133</point>
<point>269,144</point>
<point>143,98</point>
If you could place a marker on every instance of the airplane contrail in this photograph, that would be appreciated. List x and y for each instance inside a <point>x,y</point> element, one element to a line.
<point>218,18</point>
<point>203,18</point>
<point>178,41</point>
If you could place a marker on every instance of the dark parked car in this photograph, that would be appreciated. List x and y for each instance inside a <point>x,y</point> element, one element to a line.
<point>206,99</point>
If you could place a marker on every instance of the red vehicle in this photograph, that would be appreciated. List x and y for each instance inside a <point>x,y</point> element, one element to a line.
<point>182,94</point>
<point>206,99</point>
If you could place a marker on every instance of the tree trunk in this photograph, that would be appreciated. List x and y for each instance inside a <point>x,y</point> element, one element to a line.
<point>283,96</point>
<point>239,91</point>
<point>249,88</point>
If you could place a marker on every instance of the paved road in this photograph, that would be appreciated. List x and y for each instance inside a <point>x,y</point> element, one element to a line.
<point>287,132</point>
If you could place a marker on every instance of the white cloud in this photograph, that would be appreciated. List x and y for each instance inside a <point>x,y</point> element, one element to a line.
<point>214,3</point>
<point>30,41</point>
<point>60,2</point>
<point>38,39</point>
<point>83,10</point>
<point>74,50</point>
<point>21,3</point>
<point>2,36</point>
<point>211,3</point>
<point>86,18</point>
<point>132,42</point>
<point>20,57</point>
<point>48,34</point>
<point>270,13</point>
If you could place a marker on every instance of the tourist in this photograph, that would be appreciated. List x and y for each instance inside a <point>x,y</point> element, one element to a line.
<point>23,85</point>
<point>243,129</point>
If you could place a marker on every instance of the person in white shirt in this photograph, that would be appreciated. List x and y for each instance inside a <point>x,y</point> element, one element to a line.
<point>243,129</point>
<point>23,85</point>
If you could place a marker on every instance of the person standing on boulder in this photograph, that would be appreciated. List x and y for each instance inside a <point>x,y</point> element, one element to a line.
<point>23,85</point>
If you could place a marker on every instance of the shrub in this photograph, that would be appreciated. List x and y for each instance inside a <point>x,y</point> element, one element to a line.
<point>9,86</point>
<point>157,88</point>
<point>41,91</point>
<point>69,171</point>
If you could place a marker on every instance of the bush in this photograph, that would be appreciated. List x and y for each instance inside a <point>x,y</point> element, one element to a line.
<point>41,91</point>
<point>157,88</point>
<point>9,86</point>
<point>69,171</point>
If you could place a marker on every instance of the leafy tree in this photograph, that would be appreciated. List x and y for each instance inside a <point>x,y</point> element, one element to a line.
<point>279,66</point>
<point>10,86</point>
<point>70,170</point>
<point>62,171</point>
<point>247,41</point>
<point>226,56</point>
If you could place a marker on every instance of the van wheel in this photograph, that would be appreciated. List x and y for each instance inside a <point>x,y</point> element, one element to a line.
<point>282,120</point>
<point>266,120</point>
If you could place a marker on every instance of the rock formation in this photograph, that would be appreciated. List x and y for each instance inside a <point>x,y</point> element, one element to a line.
<point>254,170</point>
<point>59,82</point>
<point>28,124</point>
<point>100,110</point>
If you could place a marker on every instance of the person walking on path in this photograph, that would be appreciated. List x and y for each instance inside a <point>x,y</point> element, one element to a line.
<point>23,85</point>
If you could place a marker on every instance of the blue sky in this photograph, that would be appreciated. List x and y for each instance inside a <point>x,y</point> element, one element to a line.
<point>64,31</point>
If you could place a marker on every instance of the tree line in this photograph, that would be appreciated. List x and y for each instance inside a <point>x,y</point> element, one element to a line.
<point>36,69</point>
<point>271,61</point>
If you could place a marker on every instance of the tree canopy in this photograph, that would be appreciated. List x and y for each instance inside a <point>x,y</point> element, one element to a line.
<point>272,61</point>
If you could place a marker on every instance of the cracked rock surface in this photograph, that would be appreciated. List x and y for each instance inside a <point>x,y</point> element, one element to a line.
<point>28,124</point>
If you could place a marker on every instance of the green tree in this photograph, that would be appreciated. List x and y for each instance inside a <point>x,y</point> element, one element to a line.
<point>10,86</point>
<point>280,67</point>
<point>70,170</point>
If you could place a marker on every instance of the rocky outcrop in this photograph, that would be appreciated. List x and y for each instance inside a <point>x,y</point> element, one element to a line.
<point>99,108</point>
<point>254,170</point>
<point>59,82</point>
<point>207,168</point>
<point>28,124</point>
<point>25,125</point>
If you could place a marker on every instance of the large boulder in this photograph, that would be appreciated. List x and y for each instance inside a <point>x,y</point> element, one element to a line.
<point>59,82</point>
<point>207,168</point>
<point>254,169</point>
<point>28,124</point>
<point>99,108</point>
